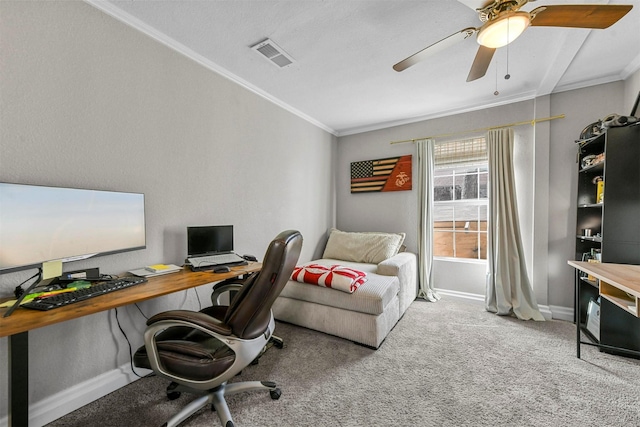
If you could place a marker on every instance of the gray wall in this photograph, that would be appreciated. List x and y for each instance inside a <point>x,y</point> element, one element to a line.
<point>582,107</point>
<point>398,211</point>
<point>545,181</point>
<point>89,102</point>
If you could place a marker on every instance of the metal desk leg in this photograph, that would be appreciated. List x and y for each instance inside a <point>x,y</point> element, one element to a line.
<point>19,380</point>
<point>578,312</point>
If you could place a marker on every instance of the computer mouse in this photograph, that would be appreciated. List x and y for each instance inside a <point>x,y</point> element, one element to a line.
<point>221,269</point>
<point>250,258</point>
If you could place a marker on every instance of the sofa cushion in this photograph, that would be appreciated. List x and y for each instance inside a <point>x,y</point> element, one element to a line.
<point>371,298</point>
<point>362,247</point>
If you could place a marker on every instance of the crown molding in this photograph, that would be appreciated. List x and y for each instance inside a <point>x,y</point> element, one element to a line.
<point>631,68</point>
<point>444,113</point>
<point>588,83</point>
<point>113,11</point>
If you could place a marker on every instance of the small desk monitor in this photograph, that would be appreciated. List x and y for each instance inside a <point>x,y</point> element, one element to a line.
<point>209,240</point>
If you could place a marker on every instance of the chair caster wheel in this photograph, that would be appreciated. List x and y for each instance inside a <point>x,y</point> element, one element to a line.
<point>173,395</point>
<point>277,342</point>
<point>275,394</point>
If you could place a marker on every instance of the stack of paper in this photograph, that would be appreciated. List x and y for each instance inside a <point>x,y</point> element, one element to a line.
<point>156,270</point>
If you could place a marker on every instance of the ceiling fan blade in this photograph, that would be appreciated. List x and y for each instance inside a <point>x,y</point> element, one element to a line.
<point>579,16</point>
<point>434,48</point>
<point>480,63</point>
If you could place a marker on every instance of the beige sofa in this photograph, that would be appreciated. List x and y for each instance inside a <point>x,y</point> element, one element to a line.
<point>368,314</point>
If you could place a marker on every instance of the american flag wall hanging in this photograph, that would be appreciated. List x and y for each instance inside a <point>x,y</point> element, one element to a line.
<point>391,174</point>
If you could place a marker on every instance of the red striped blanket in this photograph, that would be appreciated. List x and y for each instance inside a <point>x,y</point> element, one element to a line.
<point>335,277</point>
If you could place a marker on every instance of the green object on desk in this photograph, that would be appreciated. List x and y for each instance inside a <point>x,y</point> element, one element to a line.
<point>73,286</point>
<point>79,284</point>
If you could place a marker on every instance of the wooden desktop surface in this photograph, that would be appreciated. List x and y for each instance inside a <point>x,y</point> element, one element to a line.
<point>624,276</point>
<point>24,319</point>
<point>618,283</point>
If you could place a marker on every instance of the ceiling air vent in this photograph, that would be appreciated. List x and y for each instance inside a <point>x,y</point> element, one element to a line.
<point>273,53</point>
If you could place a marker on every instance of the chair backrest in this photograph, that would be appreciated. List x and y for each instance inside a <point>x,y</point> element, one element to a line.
<point>250,311</point>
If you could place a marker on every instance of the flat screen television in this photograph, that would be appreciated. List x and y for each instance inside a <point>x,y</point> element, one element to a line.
<point>40,224</point>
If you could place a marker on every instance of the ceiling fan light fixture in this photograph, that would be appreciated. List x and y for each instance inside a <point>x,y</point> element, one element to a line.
<point>503,30</point>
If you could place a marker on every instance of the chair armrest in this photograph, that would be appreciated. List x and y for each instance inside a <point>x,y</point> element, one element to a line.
<point>218,291</point>
<point>192,317</point>
<point>404,267</point>
<point>228,285</point>
<point>397,264</point>
<point>181,319</point>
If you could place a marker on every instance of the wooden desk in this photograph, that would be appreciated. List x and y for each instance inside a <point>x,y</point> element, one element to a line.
<point>18,325</point>
<point>617,283</point>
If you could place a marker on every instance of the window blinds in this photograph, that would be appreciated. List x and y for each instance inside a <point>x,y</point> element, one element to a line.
<point>462,152</point>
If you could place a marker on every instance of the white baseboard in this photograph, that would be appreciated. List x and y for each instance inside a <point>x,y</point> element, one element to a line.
<point>545,311</point>
<point>66,401</point>
<point>562,313</point>
<point>475,298</point>
<point>548,311</point>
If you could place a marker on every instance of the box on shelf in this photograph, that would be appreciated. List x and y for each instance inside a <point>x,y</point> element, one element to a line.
<point>593,318</point>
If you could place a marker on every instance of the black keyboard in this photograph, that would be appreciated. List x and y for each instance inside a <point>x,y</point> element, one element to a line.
<point>65,298</point>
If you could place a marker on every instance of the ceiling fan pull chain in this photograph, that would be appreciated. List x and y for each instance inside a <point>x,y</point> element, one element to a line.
<point>507,76</point>
<point>496,93</point>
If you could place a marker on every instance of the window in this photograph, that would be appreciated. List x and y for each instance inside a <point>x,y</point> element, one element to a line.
<point>460,199</point>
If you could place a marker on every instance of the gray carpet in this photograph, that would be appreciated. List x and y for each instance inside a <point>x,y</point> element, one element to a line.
<point>445,364</point>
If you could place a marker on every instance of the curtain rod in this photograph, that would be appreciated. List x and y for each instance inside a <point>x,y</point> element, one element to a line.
<point>531,122</point>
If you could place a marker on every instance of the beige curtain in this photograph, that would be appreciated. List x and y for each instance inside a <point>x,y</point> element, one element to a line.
<point>508,287</point>
<point>425,148</point>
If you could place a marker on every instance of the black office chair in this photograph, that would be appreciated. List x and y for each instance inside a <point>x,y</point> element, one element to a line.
<point>231,287</point>
<point>201,351</point>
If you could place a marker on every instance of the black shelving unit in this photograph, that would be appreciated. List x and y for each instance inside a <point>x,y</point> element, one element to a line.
<point>613,224</point>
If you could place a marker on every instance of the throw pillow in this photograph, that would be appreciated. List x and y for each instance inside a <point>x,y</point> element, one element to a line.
<point>367,247</point>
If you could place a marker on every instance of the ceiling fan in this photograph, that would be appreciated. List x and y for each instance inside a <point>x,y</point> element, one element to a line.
<point>504,22</point>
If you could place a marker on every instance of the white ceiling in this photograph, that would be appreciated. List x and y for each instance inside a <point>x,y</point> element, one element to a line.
<point>342,78</point>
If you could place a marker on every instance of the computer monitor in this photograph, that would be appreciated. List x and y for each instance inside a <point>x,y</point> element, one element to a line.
<point>40,224</point>
<point>209,240</point>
